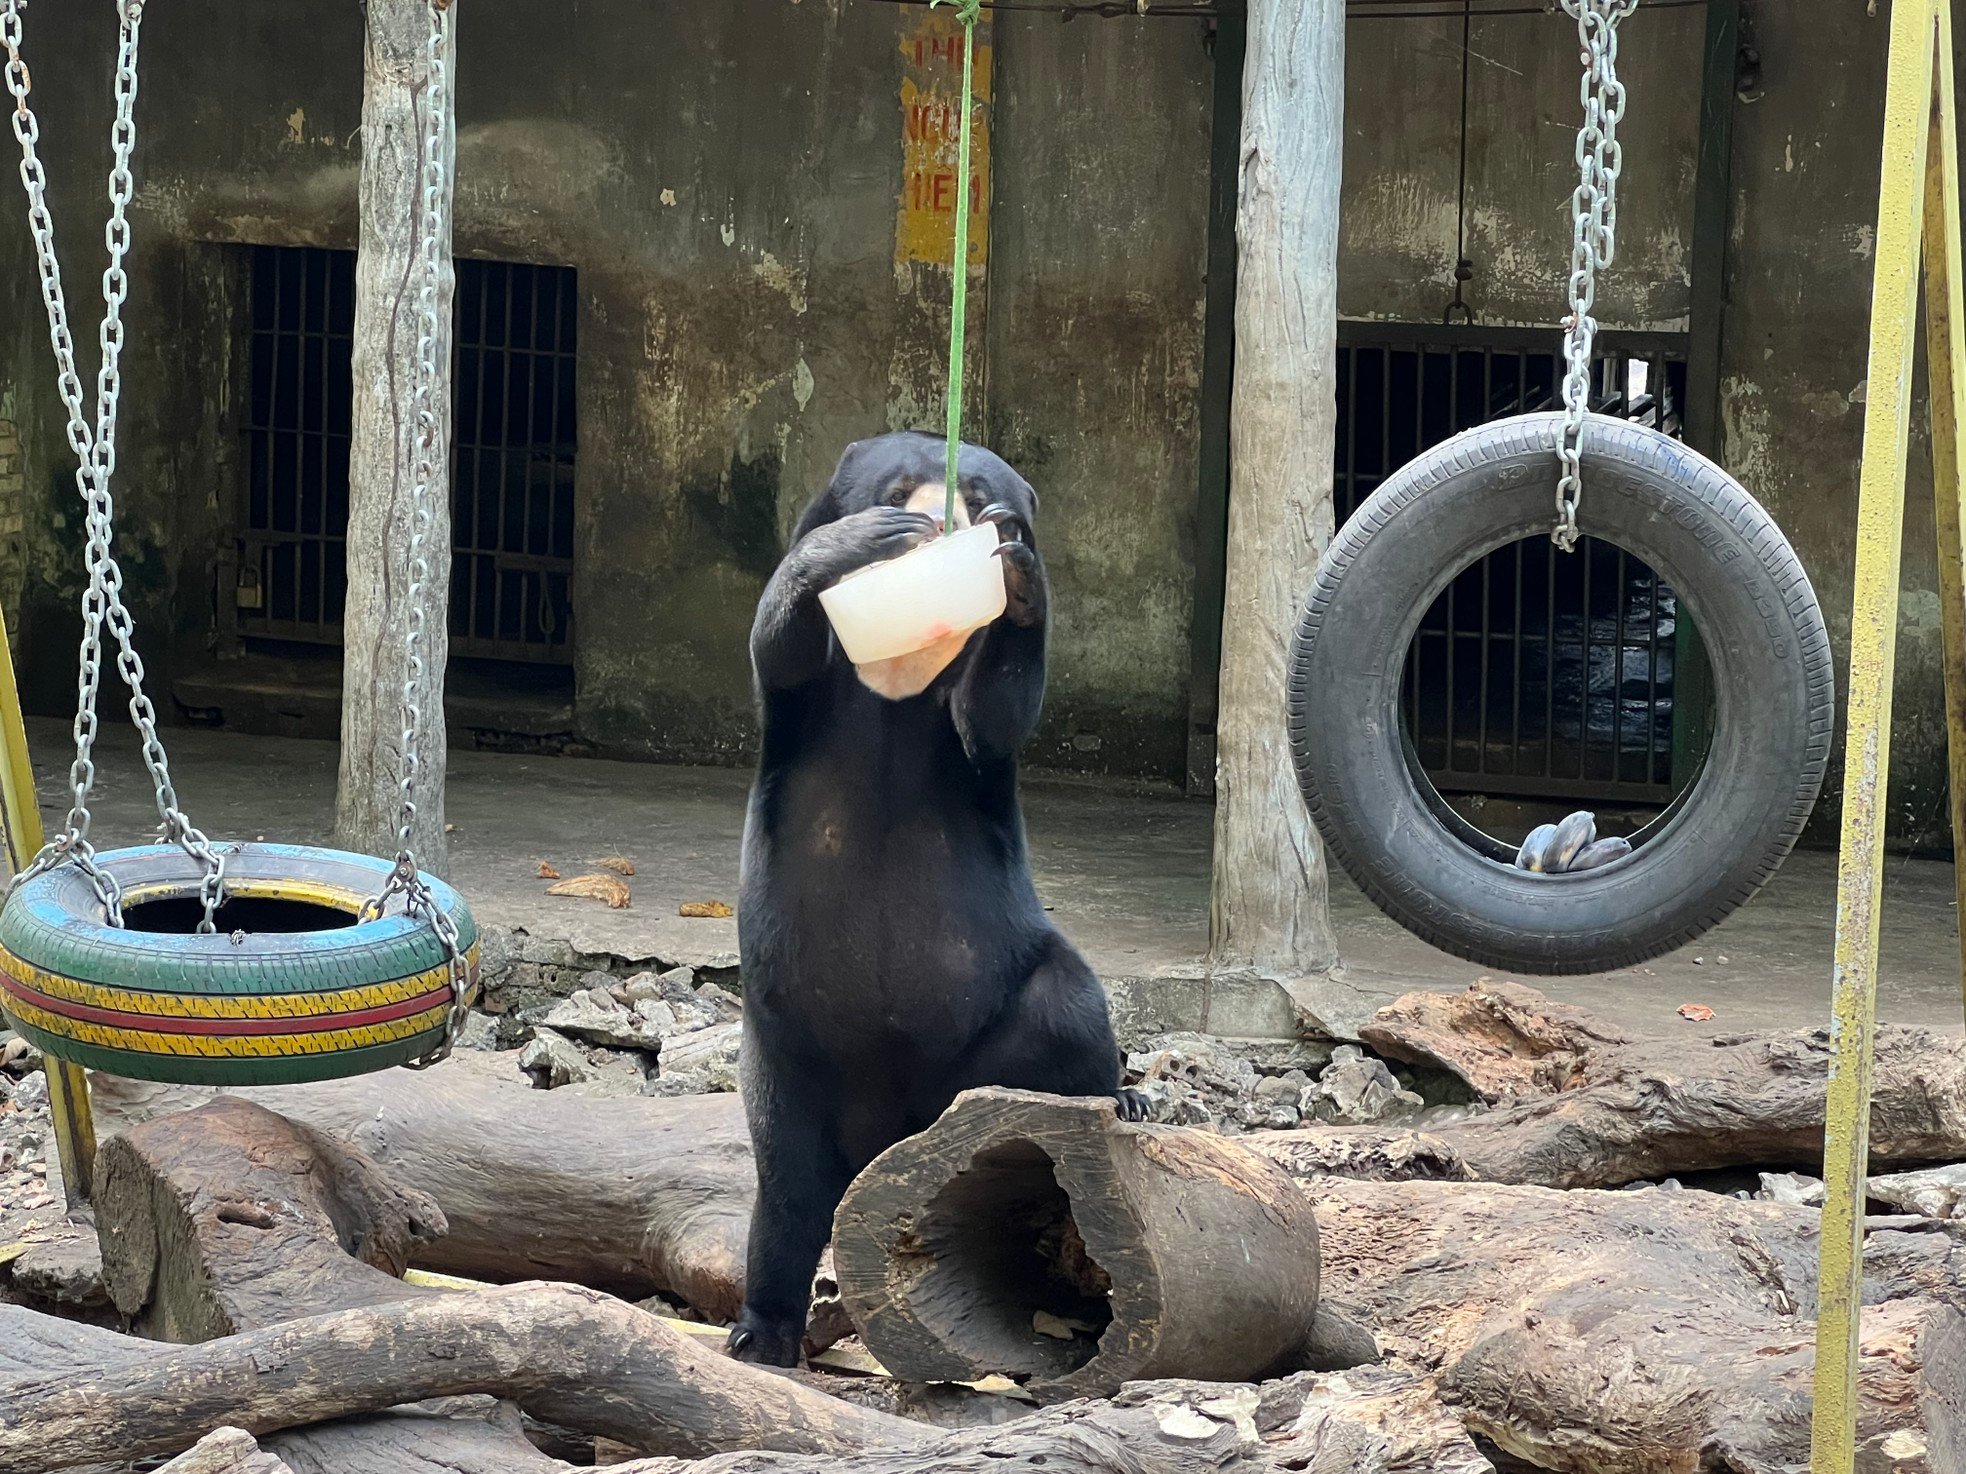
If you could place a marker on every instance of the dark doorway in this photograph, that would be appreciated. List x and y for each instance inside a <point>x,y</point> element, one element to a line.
<point>514,433</point>
<point>1536,675</point>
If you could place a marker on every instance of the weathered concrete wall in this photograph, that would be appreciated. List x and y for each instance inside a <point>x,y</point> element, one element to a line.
<point>1402,151</point>
<point>725,179</point>
<point>1096,278</point>
<point>1806,163</point>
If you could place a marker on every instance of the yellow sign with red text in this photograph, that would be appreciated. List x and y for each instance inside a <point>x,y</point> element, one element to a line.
<point>931,105</point>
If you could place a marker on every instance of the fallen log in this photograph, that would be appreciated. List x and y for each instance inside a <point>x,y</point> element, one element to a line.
<point>635,1196</point>
<point>1372,1422</point>
<point>1583,1107</point>
<point>1378,1422</point>
<point>1046,1240</point>
<point>568,1355</point>
<point>1507,1042</point>
<point>231,1219</point>
<point>1629,1332</point>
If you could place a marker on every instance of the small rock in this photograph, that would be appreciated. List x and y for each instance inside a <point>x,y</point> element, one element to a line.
<point>64,1270</point>
<point>1791,1187</point>
<point>641,985</point>
<point>17,1056</point>
<point>657,1014</point>
<point>1187,1425</point>
<point>611,1074</point>
<point>701,1062</point>
<point>480,1031</point>
<point>1357,1089</point>
<point>1936,1192</point>
<point>32,1093</point>
<point>678,983</point>
<point>726,1005</point>
<point>551,1060</point>
<point>599,1018</point>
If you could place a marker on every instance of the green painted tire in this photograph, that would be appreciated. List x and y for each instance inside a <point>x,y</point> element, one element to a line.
<point>293,989</point>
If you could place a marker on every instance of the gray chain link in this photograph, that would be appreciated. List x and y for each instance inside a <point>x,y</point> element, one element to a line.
<point>1594,234</point>
<point>405,879</point>
<point>95,451</point>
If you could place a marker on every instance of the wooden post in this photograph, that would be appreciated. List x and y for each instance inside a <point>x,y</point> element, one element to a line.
<point>20,842</point>
<point>1270,907</point>
<point>394,225</point>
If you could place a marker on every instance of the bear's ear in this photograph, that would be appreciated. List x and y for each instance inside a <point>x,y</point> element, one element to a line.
<point>830,504</point>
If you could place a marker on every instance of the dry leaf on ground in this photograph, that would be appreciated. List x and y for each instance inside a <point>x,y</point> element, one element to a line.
<point>1699,1013</point>
<point>547,872</point>
<point>609,888</point>
<point>704,909</point>
<point>619,864</point>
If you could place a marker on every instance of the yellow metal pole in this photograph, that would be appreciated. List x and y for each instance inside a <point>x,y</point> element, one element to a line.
<point>1867,759</point>
<point>1945,358</point>
<point>20,830</point>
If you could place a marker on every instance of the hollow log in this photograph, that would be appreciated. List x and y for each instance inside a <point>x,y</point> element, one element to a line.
<point>570,1356</point>
<point>1585,1108</point>
<point>636,1196</point>
<point>1630,1332</point>
<point>1047,1240</point>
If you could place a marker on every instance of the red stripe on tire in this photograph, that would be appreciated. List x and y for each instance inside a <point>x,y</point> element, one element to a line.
<point>147,1023</point>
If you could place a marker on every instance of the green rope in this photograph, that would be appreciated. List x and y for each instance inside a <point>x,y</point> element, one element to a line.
<point>968,12</point>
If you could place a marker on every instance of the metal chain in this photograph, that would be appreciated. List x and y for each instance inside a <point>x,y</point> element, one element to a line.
<point>1594,233</point>
<point>95,451</point>
<point>405,879</point>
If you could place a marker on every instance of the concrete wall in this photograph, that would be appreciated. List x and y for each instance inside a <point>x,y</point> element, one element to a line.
<point>725,177</point>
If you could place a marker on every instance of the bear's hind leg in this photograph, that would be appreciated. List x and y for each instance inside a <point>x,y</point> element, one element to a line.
<point>1055,1036</point>
<point>801,1179</point>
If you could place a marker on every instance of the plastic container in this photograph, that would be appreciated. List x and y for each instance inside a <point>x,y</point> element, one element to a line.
<point>946,587</point>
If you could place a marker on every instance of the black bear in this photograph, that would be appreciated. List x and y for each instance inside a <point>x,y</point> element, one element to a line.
<point>894,949</point>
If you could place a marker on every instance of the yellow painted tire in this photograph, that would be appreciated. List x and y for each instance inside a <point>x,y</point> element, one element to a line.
<point>285,991</point>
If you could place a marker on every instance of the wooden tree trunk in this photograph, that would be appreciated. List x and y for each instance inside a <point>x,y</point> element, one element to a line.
<point>1045,1239</point>
<point>634,1196</point>
<point>1649,1332</point>
<point>228,1221</point>
<point>572,1356</point>
<point>382,453</point>
<point>1270,907</point>
<point>1579,1106</point>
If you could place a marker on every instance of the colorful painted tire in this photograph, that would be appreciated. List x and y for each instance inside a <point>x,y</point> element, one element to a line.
<point>286,992</point>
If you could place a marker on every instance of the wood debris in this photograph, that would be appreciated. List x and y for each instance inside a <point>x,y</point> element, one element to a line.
<point>594,887</point>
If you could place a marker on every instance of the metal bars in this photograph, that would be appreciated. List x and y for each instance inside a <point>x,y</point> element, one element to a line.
<point>1533,675</point>
<point>512,523</point>
<point>515,431</point>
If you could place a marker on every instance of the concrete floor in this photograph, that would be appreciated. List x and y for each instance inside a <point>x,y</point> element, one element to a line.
<point>1127,874</point>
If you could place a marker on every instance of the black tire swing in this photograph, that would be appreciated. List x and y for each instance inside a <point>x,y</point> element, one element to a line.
<point>249,964</point>
<point>1731,827</point>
